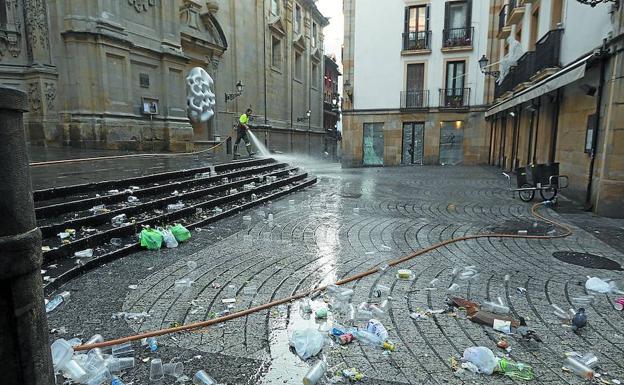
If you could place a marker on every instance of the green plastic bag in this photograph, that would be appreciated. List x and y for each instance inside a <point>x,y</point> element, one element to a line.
<point>151,239</point>
<point>180,233</point>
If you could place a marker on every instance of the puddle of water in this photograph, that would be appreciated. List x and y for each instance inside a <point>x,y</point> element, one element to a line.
<point>286,367</point>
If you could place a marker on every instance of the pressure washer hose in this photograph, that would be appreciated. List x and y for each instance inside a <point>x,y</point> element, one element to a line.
<point>198,325</point>
<point>67,161</point>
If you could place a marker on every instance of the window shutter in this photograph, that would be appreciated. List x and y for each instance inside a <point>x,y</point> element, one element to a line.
<point>469,14</point>
<point>427,16</point>
<point>447,15</point>
<point>406,22</point>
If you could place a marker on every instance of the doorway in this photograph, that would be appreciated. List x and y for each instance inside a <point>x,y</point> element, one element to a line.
<point>452,143</point>
<point>373,146</point>
<point>413,143</point>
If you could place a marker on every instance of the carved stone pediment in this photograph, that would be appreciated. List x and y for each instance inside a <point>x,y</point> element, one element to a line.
<point>277,25</point>
<point>299,42</point>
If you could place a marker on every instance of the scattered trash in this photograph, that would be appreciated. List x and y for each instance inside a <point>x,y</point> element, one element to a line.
<point>495,308</point>
<point>321,313</point>
<point>168,237</point>
<point>307,342</point>
<point>418,316</point>
<point>515,370</point>
<point>98,209</point>
<point>132,199</point>
<point>352,374</point>
<point>175,206</point>
<point>156,370</point>
<point>133,287</point>
<point>522,232</point>
<point>87,253</point>
<point>63,235</point>
<point>619,304</point>
<point>482,358</point>
<point>502,326</point>
<point>182,285</point>
<point>405,274</point>
<point>502,344</point>
<point>180,233</point>
<point>116,241</point>
<point>375,327</point>
<point>316,373</point>
<point>469,272</point>
<point>202,378</point>
<point>118,220</point>
<point>453,287</point>
<point>57,300</point>
<point>578,367</point>
<point>599,285</point>
<point>372,339</point>
<point>521,290</point>
<point>151,239</point>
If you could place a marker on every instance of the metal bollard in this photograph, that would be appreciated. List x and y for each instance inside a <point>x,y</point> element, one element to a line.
<point>24,347</point>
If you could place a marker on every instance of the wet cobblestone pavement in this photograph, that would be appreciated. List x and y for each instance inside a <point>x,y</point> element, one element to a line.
<point>353,220</point>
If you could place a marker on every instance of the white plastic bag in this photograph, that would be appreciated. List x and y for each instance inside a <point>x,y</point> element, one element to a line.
<point>598,285</point>
<point>307,342</point>
<point>482,358</point>
<point>168,237</point>
<point>375,327</point>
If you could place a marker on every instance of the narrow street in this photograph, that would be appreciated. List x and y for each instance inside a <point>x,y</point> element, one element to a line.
<point>349,222</point>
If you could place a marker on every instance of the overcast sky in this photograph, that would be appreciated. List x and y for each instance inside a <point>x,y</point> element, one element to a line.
<point>334,32</point>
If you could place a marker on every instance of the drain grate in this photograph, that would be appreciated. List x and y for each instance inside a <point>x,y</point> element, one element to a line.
<point>587,260</point>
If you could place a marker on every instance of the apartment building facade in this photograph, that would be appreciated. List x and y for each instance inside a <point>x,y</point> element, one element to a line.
<point>331,104</point>
<point>559,96</point>
<point>414,93</point>
<point>90,67</point>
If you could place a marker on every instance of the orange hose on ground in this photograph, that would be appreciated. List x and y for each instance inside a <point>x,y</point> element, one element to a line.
<point>203,324</point>
<point>67,161</point>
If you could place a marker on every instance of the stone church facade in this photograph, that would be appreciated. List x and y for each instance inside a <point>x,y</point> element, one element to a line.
<point>111,73</point>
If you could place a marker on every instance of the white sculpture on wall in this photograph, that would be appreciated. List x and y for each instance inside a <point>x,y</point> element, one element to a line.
<point>200,97</point>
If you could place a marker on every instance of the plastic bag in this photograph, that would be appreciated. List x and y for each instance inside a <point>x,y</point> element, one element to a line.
<point>482,358</point>
<point>151,239</point>
<point>375,327</point>
<point>307,342</point>
<point>170,240</point>
<point>598,285</point>
<point>180,233</point>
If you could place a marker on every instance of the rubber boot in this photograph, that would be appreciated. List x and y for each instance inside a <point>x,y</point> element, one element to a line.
<point>236,156</point>
<point>249,150</point>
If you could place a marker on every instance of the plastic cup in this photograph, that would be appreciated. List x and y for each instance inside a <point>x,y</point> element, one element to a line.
<point>116,365</point>
<point>202,378</point>
<point>96,338</point>
<point>182,285</point>
<point>315,373</point>
<point>156,370</point>
<point>578,368</point>
<point>99,377</point>
<point>173,369</point>
<point>590,360</point>
<point>123,350</point>
<point>62,353</point>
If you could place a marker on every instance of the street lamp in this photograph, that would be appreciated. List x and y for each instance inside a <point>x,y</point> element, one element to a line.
<point>233,95</point>
<point>305,118</point>
<point>483,64</point>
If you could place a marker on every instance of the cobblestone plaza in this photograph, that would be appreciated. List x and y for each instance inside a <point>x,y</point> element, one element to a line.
<point>351,221</point>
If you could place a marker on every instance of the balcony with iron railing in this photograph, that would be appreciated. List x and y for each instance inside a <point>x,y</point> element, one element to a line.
<point>454,38</point>
<point>454,98</point>
<point>414,99</point>
<point>533,63</point>
<point>417,41</point>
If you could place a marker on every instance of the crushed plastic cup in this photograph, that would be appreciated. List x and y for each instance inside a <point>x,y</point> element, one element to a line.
<point>116,241</point>
<point>173,369</point>
<point>118,220</point>
<point>95,339</point>
<point>495,308</point>
<point>192,265</point>
<point>62,353</point>
<point>123,350</point>
<point>75,342</point>
<point>590,360</point>
<point>87,253</point>
<point>156,370</point>
<point>453,287</point>
<point>182,285</point>
<point>202,378</point>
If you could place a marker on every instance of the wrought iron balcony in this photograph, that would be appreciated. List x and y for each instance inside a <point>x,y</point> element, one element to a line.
<point>413,40</point>
<point>457,37</point>
<point>455,98</point>
<point>415,99</point>
<point>546,55</point>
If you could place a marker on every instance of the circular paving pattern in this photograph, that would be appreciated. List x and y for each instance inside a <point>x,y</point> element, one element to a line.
<point>354,220</point>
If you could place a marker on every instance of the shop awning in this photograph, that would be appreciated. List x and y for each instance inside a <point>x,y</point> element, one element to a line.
<point>564,77</point>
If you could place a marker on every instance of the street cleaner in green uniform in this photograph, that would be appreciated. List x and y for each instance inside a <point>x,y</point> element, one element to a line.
<point>241,133</point>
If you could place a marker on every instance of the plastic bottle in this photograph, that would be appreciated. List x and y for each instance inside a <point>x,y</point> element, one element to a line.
<point>57,300</point>
<point>152,343</point>
<point>371,339</point>
<point>315,373</point>
<point>116,381</point>
<point>516,370</point>
<point>87,253</point>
